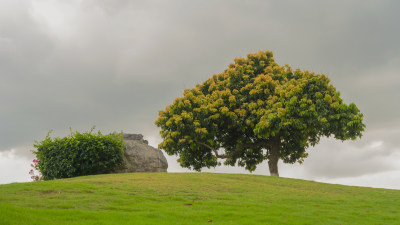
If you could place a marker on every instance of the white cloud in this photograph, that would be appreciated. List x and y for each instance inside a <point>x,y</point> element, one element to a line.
<point>14,167</point>
<point>388,179</point>
<point>58,17</point>
<point>376,144</point>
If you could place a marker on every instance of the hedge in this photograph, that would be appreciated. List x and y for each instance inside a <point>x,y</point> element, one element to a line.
<point>79,154</point>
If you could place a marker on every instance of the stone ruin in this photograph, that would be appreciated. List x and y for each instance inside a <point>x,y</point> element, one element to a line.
<point>141,157</point>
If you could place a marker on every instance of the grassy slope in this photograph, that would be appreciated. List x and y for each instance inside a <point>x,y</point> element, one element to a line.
<point>194,198</point>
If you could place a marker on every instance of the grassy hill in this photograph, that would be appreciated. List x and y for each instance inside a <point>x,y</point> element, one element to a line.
<point>194,198</point>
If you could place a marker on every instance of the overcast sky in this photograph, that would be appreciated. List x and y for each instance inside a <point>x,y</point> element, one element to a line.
<point>114,64</point>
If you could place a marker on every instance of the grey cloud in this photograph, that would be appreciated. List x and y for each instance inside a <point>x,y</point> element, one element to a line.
<point>114,64</point>
<point>376,152</point>
<point>342,160</point>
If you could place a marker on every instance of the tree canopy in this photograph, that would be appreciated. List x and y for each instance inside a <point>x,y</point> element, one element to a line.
<point>255,110</point>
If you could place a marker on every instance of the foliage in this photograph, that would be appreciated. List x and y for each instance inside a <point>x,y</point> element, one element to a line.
<point>255,110</point>
<point>79,154</point>
<point>35,167</point>
<point>194,198</point>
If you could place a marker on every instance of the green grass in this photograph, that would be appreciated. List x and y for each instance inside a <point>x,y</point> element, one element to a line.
<point>194,198</point>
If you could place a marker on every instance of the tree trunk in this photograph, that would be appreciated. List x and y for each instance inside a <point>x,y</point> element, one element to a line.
<point>274,157</point>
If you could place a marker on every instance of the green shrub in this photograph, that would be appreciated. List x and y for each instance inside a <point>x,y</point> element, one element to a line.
<point>79,154</point>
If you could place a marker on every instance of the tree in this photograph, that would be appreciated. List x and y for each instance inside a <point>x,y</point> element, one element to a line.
<point>255,110</point>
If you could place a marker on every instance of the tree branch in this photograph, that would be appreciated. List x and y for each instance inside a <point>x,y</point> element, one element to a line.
<point>212,149</point>
<point>237,149</point>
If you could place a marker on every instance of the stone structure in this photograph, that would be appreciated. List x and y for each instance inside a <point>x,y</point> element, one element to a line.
<point>141,157</point>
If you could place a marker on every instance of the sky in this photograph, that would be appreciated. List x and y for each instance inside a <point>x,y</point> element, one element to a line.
<point>114,64</point>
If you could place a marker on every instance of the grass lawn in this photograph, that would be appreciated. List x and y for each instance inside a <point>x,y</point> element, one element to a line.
<point>194,198</point>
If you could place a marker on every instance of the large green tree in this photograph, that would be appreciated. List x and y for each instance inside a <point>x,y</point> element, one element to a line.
<point>255,110</point>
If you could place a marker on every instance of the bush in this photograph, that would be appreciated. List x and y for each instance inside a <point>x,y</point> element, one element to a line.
<point>79,154</point>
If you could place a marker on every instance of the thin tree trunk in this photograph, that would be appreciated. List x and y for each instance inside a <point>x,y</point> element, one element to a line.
<point>274,157</point>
